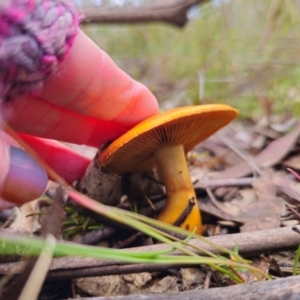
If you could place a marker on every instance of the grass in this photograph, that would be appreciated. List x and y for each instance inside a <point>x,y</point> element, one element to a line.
<point>244,50</point>
<point>13,244</point>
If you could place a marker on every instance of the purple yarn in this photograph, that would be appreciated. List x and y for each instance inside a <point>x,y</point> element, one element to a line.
<point>35,35</point>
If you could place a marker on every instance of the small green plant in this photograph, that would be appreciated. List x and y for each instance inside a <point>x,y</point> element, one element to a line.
<point>76,224</point>
<point>296,261</point>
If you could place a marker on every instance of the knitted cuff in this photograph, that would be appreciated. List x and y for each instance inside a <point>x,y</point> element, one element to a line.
<point>35,35</point>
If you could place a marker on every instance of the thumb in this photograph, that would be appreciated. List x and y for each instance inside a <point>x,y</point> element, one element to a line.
<point>22,179</point>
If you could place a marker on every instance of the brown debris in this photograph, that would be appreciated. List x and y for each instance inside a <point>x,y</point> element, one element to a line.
<point>268,208</point>
<point>285,288</point>
<point>141,283</point>
<point>268,157</point>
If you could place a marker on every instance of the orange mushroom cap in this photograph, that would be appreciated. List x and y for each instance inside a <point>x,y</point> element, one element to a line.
<point>187,126</point>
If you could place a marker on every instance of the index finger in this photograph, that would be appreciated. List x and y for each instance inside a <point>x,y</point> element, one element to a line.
<point>90,83</point>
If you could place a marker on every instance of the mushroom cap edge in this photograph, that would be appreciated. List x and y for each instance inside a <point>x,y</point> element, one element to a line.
<point>133,151</point>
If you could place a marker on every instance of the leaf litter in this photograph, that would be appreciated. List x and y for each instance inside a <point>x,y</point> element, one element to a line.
<point>242,185</point>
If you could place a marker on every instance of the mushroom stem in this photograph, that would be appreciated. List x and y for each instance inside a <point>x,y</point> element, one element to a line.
<point>181,198</point>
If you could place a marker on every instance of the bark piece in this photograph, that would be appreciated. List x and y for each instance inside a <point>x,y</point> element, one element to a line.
<point>100,184</point>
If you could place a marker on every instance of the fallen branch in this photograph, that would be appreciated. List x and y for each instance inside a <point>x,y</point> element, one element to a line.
<point>284,288</point>
<point>172,11</point>
<point>249,244</point>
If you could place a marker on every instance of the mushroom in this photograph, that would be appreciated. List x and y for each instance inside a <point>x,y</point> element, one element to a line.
<point>162,141</point>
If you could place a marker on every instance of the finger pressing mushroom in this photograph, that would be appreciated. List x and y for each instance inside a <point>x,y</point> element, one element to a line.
<point>162,141</point>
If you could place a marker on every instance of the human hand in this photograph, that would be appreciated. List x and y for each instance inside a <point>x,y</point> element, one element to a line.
<point>89,101</point>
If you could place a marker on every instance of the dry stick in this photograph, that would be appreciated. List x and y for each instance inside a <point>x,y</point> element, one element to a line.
<point>52,221</point>
<point>207,280</point>
<point>213,183</point>
<point>172,11</point>
<point>93,237</point>
<point>293,210</point>
<point>185,212</point>
<point>284,288</point>
<point>127,241</point>
<point>249,244</point>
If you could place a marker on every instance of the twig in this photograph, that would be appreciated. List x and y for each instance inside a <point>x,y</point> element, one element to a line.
<point>186,212</point>
<point>207,280</point>
<point>213,183</point>
<point>52,221</point>
<point>214,200</point>
<point>129,240</point>
<point>95,236</point>
<point>293,210</point>
<point>172,12</point>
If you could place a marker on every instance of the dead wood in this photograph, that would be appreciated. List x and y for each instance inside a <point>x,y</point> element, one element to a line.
<point>172,12</point>
<point>249,245</point>
<point>100,184</point>
<point>285,288</point>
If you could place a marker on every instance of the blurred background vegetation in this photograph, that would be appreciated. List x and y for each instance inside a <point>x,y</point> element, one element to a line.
<point>239,52</point>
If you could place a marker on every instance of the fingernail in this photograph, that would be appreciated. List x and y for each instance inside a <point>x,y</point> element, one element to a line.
<point>26,179</point>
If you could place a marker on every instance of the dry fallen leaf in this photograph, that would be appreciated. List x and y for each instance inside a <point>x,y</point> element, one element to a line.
<point>139,280</point>
<point>289,190</point>
<point>270,156</point>
<point>267,209</point>
<point>259,263</point>
<point>228,156</point>
<point>27,218</point>
<point>112,285</point>
<point>260,210</point>
<point>292,162</point>
<point>192,278</point>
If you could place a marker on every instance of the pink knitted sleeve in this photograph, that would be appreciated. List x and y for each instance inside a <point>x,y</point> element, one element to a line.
<point>35,35</point>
